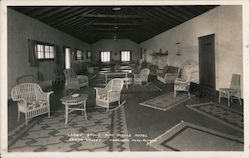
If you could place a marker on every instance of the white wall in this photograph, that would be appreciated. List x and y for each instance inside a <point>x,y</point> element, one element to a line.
<point>223,21</point>
<point>20,29</point>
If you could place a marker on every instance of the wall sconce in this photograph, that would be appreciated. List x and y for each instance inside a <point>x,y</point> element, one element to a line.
<point>178,49</point>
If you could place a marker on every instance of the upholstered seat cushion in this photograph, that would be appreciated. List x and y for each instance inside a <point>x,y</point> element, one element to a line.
<point>37,104</point>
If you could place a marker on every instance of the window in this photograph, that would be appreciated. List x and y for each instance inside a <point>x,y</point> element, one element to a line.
<point>105,56</point>
<point>67,57</point>
<point>44,51</point>
<point>79,55</point>
<point>125,56</point>
<point>88,54</point>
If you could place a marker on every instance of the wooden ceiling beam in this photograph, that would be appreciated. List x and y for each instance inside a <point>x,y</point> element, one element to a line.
<point>155,13</point>
<point>75,20</point>
<point>50,14</point>
<point>111,16</point>
<point>186,11</point>
<point>114,24</point>
<point>172,11</point>
<point>41,11</point>
<point>72,15</point>
<point>112,29</point>
<point>149,16</point>
<point>167,16</point>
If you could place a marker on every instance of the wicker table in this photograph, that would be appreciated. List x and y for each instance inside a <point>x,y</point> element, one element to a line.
<point>71,103</point>
<point>125,73</point>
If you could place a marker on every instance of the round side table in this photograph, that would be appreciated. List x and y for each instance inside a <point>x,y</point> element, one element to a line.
<point>70,103</point>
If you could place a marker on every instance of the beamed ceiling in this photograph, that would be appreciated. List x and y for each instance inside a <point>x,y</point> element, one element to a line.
<point>93,23</point>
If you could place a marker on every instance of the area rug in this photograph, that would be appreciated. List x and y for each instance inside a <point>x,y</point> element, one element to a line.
<point>220,113</point>
<point>166,101</point>
<point>190,137</point>
<point>103,131</point>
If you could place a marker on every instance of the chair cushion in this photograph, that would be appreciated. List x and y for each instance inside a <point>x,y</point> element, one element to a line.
<point>37,104</point>
<point>103,96</point>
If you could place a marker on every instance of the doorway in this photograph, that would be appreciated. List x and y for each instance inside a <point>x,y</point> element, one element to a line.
<point>207,64</point>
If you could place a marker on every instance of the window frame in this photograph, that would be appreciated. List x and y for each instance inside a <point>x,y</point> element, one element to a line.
<point>130,56</point>
<point>44,58</point>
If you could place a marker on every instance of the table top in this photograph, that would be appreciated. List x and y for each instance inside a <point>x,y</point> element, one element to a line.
<point>68,98</point>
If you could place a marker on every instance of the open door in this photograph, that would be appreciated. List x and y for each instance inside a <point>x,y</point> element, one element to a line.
<point>207,63</point>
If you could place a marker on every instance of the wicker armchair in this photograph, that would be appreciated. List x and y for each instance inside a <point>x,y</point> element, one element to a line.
<point>74,81</point>
<point>46,85</point>
<point>181,84</point>
<point>188,73</point>
<point>142,76</point>
<point>31,100</point>
<point>111,93</point>
<point>233,91</point>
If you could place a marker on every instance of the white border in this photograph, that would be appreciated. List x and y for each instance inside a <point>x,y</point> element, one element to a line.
<point>3,75</point>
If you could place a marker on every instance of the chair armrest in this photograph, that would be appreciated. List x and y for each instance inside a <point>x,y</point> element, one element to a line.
<point>100,90</point>
<point>19,100</point>
<point>48,93</point>
<point>178,80</point>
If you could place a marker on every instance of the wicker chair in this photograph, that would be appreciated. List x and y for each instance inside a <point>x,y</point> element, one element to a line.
<point>233,91</point>
<point>111,93</point>
<point>31,100</point>
<point>189,73</point>
<point>183,85</point>
<point>142,76</point>
<point>46,85</point>
<point>74,81</point>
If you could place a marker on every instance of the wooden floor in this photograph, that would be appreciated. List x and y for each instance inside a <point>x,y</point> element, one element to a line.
<point>141,119</point>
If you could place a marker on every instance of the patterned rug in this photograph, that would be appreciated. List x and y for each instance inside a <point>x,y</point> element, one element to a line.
<point>190,137</point>
<point>220,113</point>
<point>103,131</point>
<point>165,102</point>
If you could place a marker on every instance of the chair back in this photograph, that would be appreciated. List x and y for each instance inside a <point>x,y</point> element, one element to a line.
<point>26,79</point>
<point>144,73</point>
<point>115,84</point>
<point>69,73</point>
<point>235,81</point>
<point>27,91</point>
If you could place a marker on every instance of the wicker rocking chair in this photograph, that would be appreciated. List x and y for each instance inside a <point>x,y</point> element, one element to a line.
<point>31,100</point>
<point>111,93</point>
<point>142,77</point>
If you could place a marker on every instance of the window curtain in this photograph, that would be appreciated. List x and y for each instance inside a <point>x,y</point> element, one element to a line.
<point>32,53</point>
